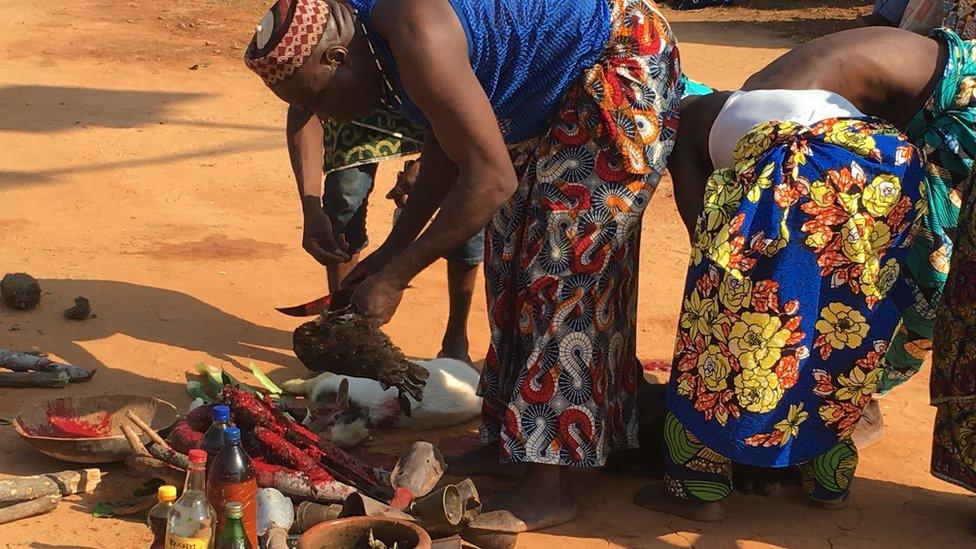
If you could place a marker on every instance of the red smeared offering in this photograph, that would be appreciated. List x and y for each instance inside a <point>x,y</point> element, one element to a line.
<point>63,422</point>
<point>287,454</point>
<point>279,446</point>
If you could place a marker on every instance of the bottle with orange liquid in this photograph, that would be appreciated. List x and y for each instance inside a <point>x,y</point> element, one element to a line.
<point>232,478</point>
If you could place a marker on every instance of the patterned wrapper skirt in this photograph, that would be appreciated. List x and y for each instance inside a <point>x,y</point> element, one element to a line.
<point>944,132</point>
<point>953,383</point>
<point>792,293</point>
<point>561,257</point>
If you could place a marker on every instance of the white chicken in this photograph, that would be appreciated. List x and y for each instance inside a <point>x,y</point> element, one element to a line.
<point>450,398</point>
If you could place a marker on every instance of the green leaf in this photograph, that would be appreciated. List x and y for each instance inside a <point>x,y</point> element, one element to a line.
<point>103,509</point>
<point>231,380</point>
<point>214,378</point>
<point>265,381</point>
<point>6,421</point>
<point>195,390</point>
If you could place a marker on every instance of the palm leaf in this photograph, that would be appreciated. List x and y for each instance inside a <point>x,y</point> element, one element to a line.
<point>264,380</point>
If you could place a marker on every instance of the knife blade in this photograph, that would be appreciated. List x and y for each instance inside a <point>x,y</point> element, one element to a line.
<point>312,308</point>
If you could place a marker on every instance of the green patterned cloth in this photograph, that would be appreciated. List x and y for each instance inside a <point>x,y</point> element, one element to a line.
<point>697,473</point>
<point>945,133</point>
<point>380,136</point>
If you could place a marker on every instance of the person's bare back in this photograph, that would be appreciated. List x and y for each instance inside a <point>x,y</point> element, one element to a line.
<point>886,72</point>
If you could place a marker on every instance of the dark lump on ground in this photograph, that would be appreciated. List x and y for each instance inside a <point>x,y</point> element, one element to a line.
<point>20,291</point>
<point>80,311</point>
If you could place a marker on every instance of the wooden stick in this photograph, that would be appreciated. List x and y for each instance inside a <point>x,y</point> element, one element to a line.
<point>138,448</point>
<point>29,508</point>
<point>23,362</point>
<point>64,483</point>
<point>21,380</point>
<point>168,455</point>
<point>156,469</point>
<point>150,432</point>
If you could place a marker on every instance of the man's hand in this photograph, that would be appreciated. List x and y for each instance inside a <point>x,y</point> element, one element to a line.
<point>377,298</point>
<point>372,264</point>
<point>404,185</point>
<point>318,238</point>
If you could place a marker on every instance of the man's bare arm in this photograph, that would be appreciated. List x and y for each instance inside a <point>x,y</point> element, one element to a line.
<point>431,52</point>
<point>306,150</point>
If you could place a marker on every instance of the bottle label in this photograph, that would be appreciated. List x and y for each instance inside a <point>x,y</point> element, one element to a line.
<point>176,542</point>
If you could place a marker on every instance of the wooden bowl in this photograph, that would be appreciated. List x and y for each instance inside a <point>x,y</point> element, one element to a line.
<point>86,429</point>
<point>344,533</point>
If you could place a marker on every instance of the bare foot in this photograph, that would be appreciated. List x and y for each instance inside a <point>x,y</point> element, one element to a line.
<point>483,461</point>
<point>655,496</point>
<point>870,428</point>
<point>543,500</point>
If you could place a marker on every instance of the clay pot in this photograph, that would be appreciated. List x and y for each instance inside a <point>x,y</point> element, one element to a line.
<point>346,533</point>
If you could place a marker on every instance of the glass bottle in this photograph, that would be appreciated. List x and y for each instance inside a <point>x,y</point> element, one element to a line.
<point>165,496</point>
<point>190,524</point>
<point>232,534</point>
<point>213,439</point>
<point>232,478</point>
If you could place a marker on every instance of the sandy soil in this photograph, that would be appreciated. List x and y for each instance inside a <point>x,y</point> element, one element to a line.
<point>144,167</point>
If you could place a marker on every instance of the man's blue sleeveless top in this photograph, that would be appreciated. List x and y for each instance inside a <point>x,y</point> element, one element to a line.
<point>525,53</point>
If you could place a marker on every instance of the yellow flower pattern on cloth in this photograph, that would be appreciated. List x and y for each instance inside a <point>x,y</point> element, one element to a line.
<point>698,315</point>
<point>841,326</point>
<point>756,340</point>
<point>881,195</point>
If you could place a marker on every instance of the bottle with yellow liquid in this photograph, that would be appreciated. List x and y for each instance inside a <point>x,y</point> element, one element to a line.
<point>190,524</point>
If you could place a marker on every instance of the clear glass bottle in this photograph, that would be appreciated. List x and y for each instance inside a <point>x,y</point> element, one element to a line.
<point>213,439</point>
<point>191,520</point>
<point>165,496</point>
<point>232,534</point>
<point>231,478</point>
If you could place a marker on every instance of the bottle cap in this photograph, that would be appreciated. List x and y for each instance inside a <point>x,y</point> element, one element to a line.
<point>232,435</point>
<point>198,456</point>
<point>234,509</point>
<point>166,493</point>
<point>221,413</point>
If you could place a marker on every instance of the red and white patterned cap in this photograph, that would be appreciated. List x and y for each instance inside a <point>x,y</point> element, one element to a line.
<point>285,38</point>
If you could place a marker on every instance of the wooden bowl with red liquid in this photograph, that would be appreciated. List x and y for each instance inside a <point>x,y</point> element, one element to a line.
<point>86,429</point>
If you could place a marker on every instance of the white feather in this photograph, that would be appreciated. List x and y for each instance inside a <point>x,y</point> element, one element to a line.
<point>349,435</point>
<point>450,396</point>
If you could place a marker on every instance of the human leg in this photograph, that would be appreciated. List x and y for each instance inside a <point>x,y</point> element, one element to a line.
<point>696,481</point>
<point>462,273</point>
<point>543,498</point>
<point>345,201</point>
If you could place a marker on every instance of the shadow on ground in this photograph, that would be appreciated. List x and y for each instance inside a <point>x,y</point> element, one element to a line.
<point>145,313</point>
<point>49,109</point>
<point>882,514</point>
